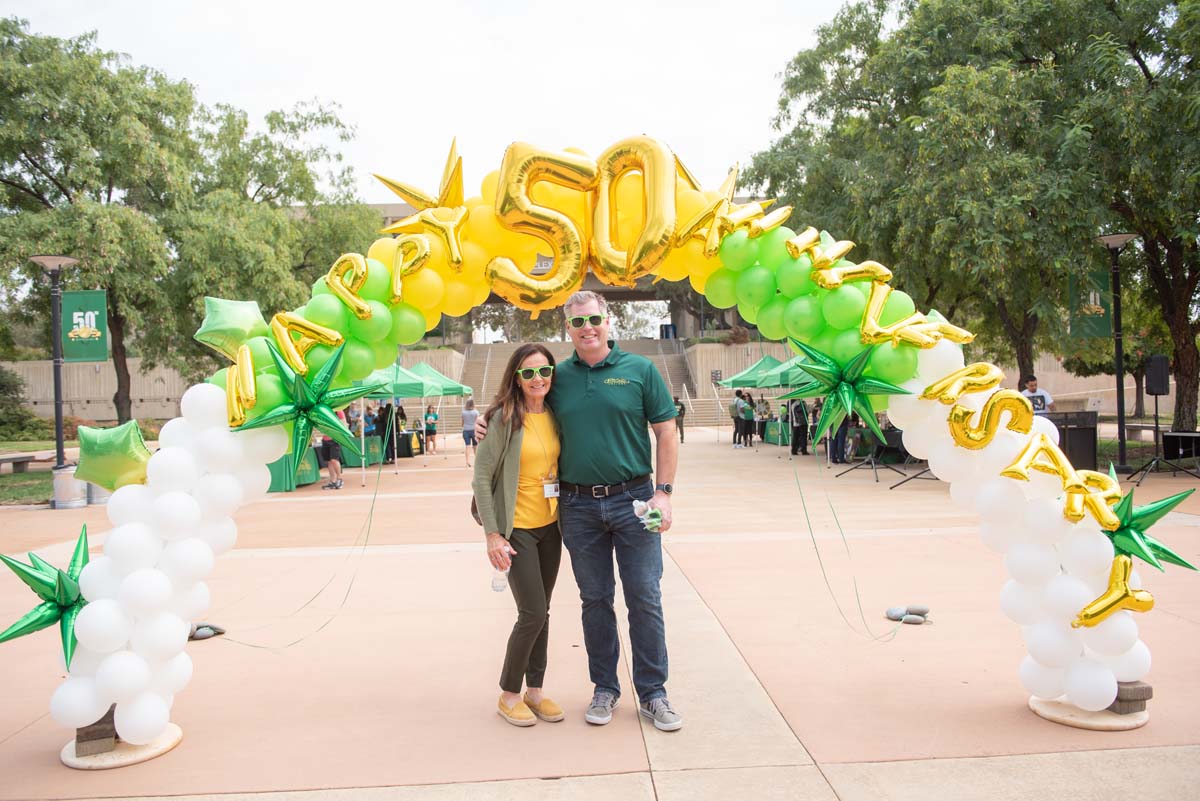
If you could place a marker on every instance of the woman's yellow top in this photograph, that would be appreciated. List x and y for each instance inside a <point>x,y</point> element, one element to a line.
<point>539,467</point>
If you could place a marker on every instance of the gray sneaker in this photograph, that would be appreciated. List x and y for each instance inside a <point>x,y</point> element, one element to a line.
<point>659,710</point>
<point>600,710</point>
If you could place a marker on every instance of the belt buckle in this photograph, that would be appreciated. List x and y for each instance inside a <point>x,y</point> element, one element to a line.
<point>596,494</point>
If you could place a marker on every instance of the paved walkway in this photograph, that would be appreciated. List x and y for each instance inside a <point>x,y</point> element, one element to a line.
<point>361,660</point>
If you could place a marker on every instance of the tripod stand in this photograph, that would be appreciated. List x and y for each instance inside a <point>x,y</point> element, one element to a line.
<point>1152,465</point>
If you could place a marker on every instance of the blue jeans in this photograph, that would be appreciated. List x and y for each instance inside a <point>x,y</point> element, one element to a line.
<point>593,529</point>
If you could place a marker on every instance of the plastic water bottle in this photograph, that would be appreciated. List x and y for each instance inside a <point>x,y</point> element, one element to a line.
<point>650,518</point>
<point>499,581</point>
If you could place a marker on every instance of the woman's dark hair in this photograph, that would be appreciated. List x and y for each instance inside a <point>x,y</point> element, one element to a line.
<point>510,400</point>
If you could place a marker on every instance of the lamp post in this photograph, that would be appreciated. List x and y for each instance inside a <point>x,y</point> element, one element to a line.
<point>53,265</point>
<point>1114,243</point>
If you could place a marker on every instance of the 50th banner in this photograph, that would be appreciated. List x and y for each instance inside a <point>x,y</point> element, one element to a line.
<point>85,326</point>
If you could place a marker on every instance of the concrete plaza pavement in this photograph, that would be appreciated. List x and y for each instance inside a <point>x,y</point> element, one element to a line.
<point>364,645</point>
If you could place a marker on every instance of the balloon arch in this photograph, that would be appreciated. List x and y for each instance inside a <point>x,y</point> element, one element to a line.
<point>1068,536</point>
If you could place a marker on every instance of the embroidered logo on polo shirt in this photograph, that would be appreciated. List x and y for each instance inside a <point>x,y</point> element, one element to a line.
<point>620,381</point>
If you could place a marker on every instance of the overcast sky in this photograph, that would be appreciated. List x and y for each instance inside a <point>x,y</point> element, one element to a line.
<point>702,76</point>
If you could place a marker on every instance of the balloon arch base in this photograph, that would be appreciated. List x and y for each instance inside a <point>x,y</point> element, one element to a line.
<point>1065,714</point>
<point>124,754</point>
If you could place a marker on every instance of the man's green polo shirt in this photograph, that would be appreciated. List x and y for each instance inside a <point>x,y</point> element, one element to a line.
<point>603,412</point>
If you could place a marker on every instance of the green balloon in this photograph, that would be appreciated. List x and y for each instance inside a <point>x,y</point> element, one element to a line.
<point>385,352</point>
<point>358,360</point>
<point>317,356</point>
<point>738,251</point>
<point>721,289</point>
<point>803,318</point>
<point>772,247</point>
<point>843,307</point>
<point>748,313</point>
<point>864,287</point>
<point>824,340</point>
<point>795,276</point>
<point>260,354</point>
<point>846,345</point>
<point>879,403</point>
<point>899,305</point>
<point>408,324</point>
<point>770,319</point>
<point>320,287</point>
<point>755,286</point>
<point>375,327</point>
<point>269,394</point>
<point>893,364</point>
<point>378,285</point>
<point>329,311</point>
<point>219,378</point>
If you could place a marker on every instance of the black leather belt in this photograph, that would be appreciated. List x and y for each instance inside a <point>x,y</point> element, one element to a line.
<point>604,490</point>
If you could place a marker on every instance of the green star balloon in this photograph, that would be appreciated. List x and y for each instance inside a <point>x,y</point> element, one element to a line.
<point>1131,537</point>
<point>112,457</point>
<point>311,405</point>
<point>228,324</point>
<point>59,591</point>
<point>844,386</point>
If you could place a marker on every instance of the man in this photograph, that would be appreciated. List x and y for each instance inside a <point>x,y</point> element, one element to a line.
<point>332,452</point>
<point>735,413</point>
<point>680,411</point>
<point>603,399</point>
<point>798,415</point>
<point>1040,398</point>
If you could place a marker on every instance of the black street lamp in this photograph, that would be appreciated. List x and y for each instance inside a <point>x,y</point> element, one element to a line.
<point>1114,243</point>
<point>53,265</point>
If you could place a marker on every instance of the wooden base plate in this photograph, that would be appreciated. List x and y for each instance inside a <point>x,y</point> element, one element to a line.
<point>124,754</point>
<point>1068,715</point>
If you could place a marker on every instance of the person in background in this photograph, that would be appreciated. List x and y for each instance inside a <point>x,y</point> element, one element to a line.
<point>469,414</point>
<point>401,418</point>
<point>353,419</point>
<point>332,451</point>
<point>385,424</point>
<point>735,414</point>
<point>431,421</point>
<point>748,420</point>
<point>837,447</point>
<point>369,421</point>
<point>1040,398</point>
<point>762,413</point>
<point>680,411</point>
<point>798,420</point>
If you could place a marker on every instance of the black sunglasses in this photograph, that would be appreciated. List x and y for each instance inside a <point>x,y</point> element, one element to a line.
<point>527,373</point>
<point>587,319</point>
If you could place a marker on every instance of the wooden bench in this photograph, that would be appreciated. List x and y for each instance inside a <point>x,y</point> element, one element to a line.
<point>19,461</point>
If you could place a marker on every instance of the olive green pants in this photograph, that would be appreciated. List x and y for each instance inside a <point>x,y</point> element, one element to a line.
<point>531,579</point>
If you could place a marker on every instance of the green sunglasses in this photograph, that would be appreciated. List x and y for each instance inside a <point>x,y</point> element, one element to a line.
<point>527,373</point>
<point>587,319</point>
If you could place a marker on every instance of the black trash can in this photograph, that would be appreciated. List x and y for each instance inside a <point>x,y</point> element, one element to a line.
<point>1077,437</point>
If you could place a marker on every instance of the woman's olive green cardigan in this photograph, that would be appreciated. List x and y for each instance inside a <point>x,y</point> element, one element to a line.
<point>497,466</point>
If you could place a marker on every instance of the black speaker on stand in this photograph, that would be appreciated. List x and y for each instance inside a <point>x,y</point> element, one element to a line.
<point>1158,383</point>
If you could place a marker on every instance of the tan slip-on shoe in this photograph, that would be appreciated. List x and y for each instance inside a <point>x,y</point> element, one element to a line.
<point>547,710</point>
<point>518,714</point>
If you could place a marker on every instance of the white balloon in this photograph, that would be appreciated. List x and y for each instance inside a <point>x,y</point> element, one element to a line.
<point>122,676</point>
<point>256,482</point>
<point>188,560</point>
<point>1043,521</point>
<point>84,661</point>
<point>100,579</point>
<point>1086,553</point>
<point>172,676</point>
<point>1132,665</point>
<point>203,406</point>
<point>265,445</point>
<point>997,536</point>
<point>907,410</point>
<point>219,495</point>
<point>1053,643</point>
<point>219,451</point>
<point>176,433</point>
<point>1041,485</point>
<point>1135,580</point>
<point>1031,563</point>
<point>132,547</point>
<point>1112,636</point>
<point>177,514</point>
<point>129,504</point>
<point>947,460</point>
<point>172,469</point>
<point>145,591</point>
<point>77,703</point>
<point>1065,595</point>
<point>1041,681</point>
<point>102,626</point>
<point>1002,451</point>
<point>963,492</point>
<point>1090,685</point>
<point>939,361</point>
<point>143,719</point>
<point>161,636</point>
<point>1042,425</point>
<point>190,602</point>
<point>1021,604</point>
<point>219,534</point>
<point>998,499</point>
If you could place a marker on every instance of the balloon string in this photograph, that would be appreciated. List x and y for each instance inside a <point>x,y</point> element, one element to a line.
<point>365,535</point>
<point>825,576</point>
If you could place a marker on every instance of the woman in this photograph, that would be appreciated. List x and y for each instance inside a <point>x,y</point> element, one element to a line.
<point>385,429</point>
<point>748,416</point>
<point>516,487</point>
<point>469,415</point>
<point>431,418</point>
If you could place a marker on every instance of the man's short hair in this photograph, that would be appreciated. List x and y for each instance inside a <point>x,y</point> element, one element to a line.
<point>1029,378</point>
<point>738,393</point>
<point>584,296</point>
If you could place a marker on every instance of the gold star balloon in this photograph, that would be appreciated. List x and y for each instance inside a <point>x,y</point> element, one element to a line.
<point>443,216</point>
<point>112,457</point>
<point>59,591</point>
